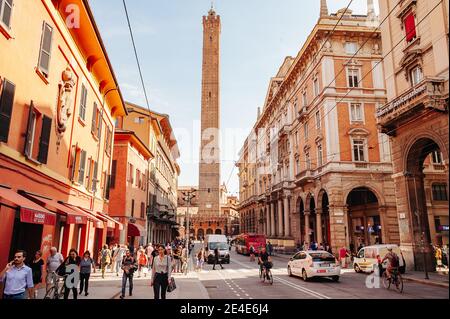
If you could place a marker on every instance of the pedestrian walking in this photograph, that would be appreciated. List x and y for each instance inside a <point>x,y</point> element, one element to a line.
<point>184,258</point>
<point>119,258</point>
<point>269,248</point>
<point>86,265</point>
<point>200,259</point>
<point>53,262</point>
<point>149,250</point>
<point>114,251</point>
<point>343,256</point>
<point>177,260</point>
<point>17,278</point>
<point>128,266</point>
<point>161,273</point>
<point>72,259</point>
<point>217,259</point>
<point>142,263</point>
<point>105,259</point>
<point>252,253</point>
<point>36,268</point>
<point>438,256</point>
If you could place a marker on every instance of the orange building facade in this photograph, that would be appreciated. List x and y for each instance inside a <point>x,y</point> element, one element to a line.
<point>58,101</point>
<point>315,167</point>
<point>129,187</point>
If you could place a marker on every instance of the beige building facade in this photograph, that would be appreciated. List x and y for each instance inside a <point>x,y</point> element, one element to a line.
<point>315,167</point>
<point>416,66</point>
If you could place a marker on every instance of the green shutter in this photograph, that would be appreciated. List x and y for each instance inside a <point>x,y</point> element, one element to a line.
<point>81,171</point>
<point>6,107</point>
<point>45,139</point>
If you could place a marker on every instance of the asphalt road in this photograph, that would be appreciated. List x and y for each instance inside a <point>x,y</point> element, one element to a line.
<point>240,280</point>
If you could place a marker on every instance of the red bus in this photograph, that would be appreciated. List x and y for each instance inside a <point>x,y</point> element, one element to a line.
<point>244,241</point>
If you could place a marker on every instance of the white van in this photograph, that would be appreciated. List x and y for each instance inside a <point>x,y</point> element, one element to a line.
<point>217,241</point>
<point>366,259</point>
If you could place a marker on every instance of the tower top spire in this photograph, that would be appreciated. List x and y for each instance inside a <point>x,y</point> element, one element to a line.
<point>323,8</point>
<point>211,11</point>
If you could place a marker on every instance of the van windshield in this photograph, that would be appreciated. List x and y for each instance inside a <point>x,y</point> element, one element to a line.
<point>220,246</point>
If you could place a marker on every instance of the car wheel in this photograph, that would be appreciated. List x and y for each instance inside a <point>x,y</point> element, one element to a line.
<point>335,278</point>
<point>357,269</point>
<point>304,275</point>
<point>289,271</point>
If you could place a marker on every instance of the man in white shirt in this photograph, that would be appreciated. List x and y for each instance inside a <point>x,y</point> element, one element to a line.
<point>53,262</point>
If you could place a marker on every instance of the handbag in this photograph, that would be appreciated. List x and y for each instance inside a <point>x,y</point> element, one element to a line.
<point>172,286</point>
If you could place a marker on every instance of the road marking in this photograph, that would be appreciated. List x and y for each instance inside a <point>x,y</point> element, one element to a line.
<point>235,291</point>
<point>292,285</point>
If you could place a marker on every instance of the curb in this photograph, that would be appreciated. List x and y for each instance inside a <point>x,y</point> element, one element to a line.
<point>426,282</point>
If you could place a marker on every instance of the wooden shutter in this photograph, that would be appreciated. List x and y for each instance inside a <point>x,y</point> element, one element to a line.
<point>46,46</point>
<point>6,12</point>
<point>83,102</point>
<point>108,186</point>
<point>113,174</point>
<point>100,122</point>
<point>6,107</point>
<point>28,147</point>
<point>81,171</point>
<point>94,119</point>
<point>74,162</point>
<point>45,139</point>
<point>94,177</point>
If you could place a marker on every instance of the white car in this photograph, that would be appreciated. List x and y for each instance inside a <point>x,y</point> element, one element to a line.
<point>314,263</point>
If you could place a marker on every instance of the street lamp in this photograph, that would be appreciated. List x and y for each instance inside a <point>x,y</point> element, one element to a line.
<point>188,196</point>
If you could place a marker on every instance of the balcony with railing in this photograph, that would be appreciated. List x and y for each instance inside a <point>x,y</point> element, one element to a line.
<point>430,93</point>
<point>302,114</point>
<point>303,177</point>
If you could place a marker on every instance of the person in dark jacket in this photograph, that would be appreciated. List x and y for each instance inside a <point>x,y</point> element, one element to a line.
<point>129,266</point>
<point>217,258</point>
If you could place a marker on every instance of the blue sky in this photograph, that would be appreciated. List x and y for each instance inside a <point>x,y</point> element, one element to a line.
<point>256,37</point>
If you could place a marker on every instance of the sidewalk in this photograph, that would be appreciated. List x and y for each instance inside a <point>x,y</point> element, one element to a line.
<point>436,279</point>
<point>188,287</point>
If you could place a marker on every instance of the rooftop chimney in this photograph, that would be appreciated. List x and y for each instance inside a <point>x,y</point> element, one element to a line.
<point>323,8</point>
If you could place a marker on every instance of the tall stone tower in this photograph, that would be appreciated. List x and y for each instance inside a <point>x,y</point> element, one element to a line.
<point>209,170</point>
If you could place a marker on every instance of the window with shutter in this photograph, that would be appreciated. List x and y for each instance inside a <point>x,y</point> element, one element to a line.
<point>6,107</point>
<point>353,78</point>
<point>45,51</point>
<point>94,119</point>
<point>83,102</point>
<point>108,186</point>
<point>74,162</point>
<point>113,174</point>
<point>6,12</point>
<point>410,27</point>
<point>31,128</point>
<point>94,177</point>
<point>45,139</point>
<point>89,174</point>
<point>81,170</point>
<point>99,124</point>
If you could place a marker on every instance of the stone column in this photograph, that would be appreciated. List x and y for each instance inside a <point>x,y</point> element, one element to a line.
<point>319,226</point>
<point>272,219</point>
<point>307,238</point>
<point>280,218</point>
<point>287,224</point>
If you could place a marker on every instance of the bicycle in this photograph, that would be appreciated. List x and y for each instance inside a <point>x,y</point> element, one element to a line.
<point>396,279</point>
<point>265,274</point>
<point>55,291</point>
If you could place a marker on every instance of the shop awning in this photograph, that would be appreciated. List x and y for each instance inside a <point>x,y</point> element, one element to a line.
<point>98,223</point>
<point>136,230</point>
<point>111,222</point>
<point>30,212</point>
<point>73,217</point>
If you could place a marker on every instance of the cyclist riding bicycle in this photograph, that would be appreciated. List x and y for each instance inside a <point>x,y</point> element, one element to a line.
<point>264,259</point>
<point>393,262</point>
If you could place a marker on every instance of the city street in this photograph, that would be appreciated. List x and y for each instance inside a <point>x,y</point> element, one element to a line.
<point>240,280</point>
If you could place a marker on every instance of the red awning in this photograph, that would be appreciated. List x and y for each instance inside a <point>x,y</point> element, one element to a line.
<point>73,217</point>
<point>30,212</point>
<point>92,216</point>
<point>111,222</point>
<point>136,230</point>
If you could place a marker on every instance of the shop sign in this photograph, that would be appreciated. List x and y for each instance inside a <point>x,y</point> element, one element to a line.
<point>443,228</point>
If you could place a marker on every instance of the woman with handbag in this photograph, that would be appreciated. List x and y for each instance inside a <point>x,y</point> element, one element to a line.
<point>72,259</point>
<point>105,259</point>
<point>161,273</point>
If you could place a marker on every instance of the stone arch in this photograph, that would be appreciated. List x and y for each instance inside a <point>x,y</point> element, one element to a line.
<point>310,208</point>
<point>428,135</point>
<point>209,231</point>
<point>200,233</point>
<point>218,231</point>
<point>369,185</point>
<point>323,204</point>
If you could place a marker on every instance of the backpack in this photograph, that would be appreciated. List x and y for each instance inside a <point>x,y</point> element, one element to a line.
<point>395,260</point>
